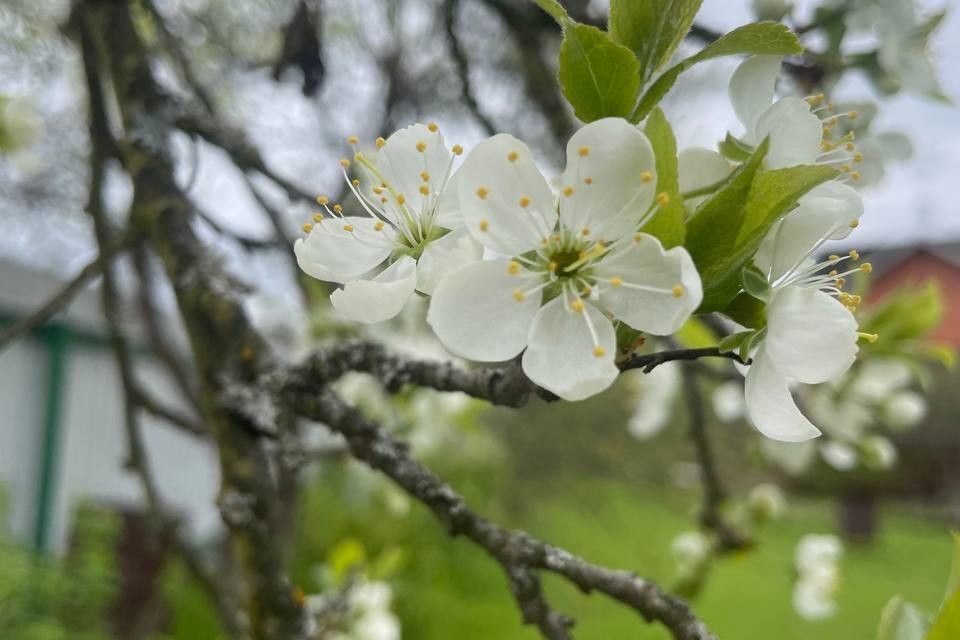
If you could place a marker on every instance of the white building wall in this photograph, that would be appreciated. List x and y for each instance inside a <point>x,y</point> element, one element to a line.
<point>23,369</point>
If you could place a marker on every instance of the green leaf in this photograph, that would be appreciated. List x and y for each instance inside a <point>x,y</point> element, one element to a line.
<point>908,314</point>
<point>734,341</point>
<point>901,620</point>
<point>345,556</point>
<point>746,310</point>
<point>712,231</point>
<point>770,38</point>
<point>555,10</point>
<point>652,29</point>
<point>667,223</point>
<point>732,148</point>
<point>947,624</point>
<point>755,283</point>
<point>599,77</point>
<point>727,229</point>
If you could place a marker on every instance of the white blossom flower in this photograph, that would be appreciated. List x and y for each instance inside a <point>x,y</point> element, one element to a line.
<point>767,501</point>
<point>407,189</point>
<point>798,135</point>
<point>690,549</point>
<point>839,454</point>
<point>818,576</point>
<point>727,401</point>
<point>811,335</point>
<point>904,410</point>
<point>653,396</point>
<point>771,9</point>
<point>877,452</point>
<point>569,273</point>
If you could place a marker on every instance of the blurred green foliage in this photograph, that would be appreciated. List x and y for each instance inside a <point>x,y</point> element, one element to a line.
<point>46,598</point>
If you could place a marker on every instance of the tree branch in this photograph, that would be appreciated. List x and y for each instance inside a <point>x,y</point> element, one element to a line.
<point>463,67</point>
<point>516,551</point>
<point>649,362</point>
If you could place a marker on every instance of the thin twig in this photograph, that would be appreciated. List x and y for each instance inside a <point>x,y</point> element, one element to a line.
<point>649,362</point>
<point>65,295</point>
<point>462,63</point>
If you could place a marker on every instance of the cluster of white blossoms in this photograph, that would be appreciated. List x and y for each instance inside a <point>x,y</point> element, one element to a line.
<point>818,576</point>
<point>515,268</point>
<point>364,614</point>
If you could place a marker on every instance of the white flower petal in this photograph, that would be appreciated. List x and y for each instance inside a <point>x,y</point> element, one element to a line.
<point>444,256</point>
<point>839,455</point>
<point>562,355</point>
<point>610,179</point>
<point>698,168</point>
<point>492,190</point>
<point>474,314</point>
<point>448,208</point>
<point>792,457</point>
<point>332,253</point>
<point>751,89</point>
<point>379,299</point>
<point>795,133</point>
<point>401,162</point>
<point>645,299</point>
<point>770,406</point>
<point>811,336</point>
<point>825,216</point>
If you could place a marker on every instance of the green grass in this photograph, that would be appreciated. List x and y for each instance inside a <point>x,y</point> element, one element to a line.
<point>449,589</point>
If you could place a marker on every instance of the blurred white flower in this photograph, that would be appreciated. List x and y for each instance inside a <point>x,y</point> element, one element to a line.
<point>793,457</point>
<point>904,410</point>
<point>839,455</point>
<point>653,395</point>
<point>771,9</point>
<point>877,452</point>
<point>818,576</point>
<point>728,402</point>
<point>767,502</point>
<point>690,549</point>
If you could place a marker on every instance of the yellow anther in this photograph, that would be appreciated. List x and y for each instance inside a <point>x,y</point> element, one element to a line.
<point>568,191</point>
<point>583,151</point>
<point>646,176</point>
<point>588,181</point>
<point>833,257</point>
<point>552,267</point>
<point>846,168</point>
<point>401,198</point>
<point>358,156</point>
<point>615,281</point>
<point>585,231</point>
<point>421,146</point>
<point>338,208</point>
<point>599,351</point>
<point>380,142</point>
<point>826,131</point>
<point>348,228</point>
<point>855,175</point>
<point>577,305</point>
<point>512,156</point>
<point>663,198</point>
<point>378,226</point>
<point>482,192</point>
<point>484,225</point>
<point>866,267</point>
<point>833,273</point>
<point>840,282</point>
<point>378,190</point>
<point>433,127</point>
<point>587,290</point>
<point>513,268</point>
<point>424,189</point>
<point>858,157</point>
<point>826,145</point>
<point>425,176</point>
<point>637,237</point>
<point>344,163</point>
<point>355,183</point>
<point>322,200</point>
<point>677,290</point>
<point>457,149</point>
<point>524,201</point>
<point>383,200</point>
<point>318,217</point>
<point>815,99</point>
<point>854,255</point>
<point>518,295</point>
<point>850,146</point>
<point>869,337</point>
<point>353,140</point>
<point>307,227</point>
<point>856,299</point>
<point>854,223</point>
<point>853,115</point>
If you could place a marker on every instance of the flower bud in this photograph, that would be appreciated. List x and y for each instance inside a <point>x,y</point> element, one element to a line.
<point>766,502</point>
<point>904,410</point>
